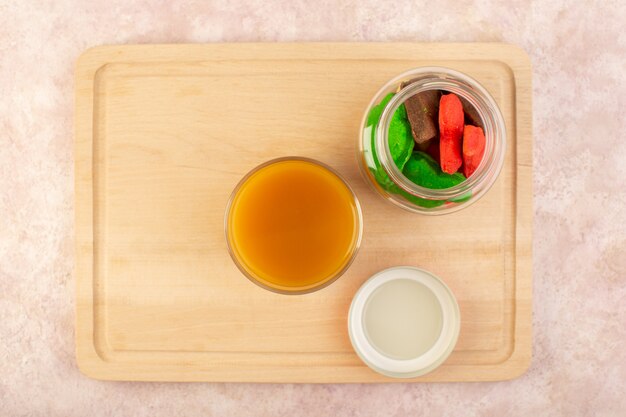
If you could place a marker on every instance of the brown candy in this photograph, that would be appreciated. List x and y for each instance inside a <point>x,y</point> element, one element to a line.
<point>471,115</point>
<point>422,110</point>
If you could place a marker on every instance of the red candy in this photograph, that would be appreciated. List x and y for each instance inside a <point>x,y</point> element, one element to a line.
<point>473,149</point>
<point>451,120</point>
<point>433,150</point>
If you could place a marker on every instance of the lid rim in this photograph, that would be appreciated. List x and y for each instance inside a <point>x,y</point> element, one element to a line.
<point>427,361</point>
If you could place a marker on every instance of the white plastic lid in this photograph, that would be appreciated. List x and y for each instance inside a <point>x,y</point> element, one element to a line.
<point>425,362</point>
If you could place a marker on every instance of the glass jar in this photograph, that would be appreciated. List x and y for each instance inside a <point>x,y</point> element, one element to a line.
<point>379,168</point>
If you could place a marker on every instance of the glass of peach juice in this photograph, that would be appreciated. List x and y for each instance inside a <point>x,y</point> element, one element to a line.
<point>293,225</point>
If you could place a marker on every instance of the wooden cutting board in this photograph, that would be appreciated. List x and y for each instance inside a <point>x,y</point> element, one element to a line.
<point>164,133</point>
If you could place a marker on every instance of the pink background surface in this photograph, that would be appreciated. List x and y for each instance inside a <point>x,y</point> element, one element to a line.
<point>579,55</point>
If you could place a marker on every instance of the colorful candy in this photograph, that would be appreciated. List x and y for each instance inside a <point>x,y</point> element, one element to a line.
<point>400,139</point>
<point>435,139</point>
<point>451,120</point>
<point>473,149</point>
<point>424,171</point>
<point>421,110</point>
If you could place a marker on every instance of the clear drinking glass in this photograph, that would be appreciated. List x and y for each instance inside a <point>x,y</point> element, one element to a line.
<point>265,279</point>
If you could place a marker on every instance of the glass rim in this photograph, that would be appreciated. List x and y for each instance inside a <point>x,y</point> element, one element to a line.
<point>354,249</point>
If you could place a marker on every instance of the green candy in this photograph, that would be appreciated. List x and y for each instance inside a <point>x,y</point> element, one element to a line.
<point>400,140</point>
<point>417,166</point>
<point>382,178</point>
<point>372,123</point>
<point>425,171</point>
<point>377,110</point>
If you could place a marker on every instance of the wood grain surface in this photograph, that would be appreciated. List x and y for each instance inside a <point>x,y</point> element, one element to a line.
<point>164,133</point>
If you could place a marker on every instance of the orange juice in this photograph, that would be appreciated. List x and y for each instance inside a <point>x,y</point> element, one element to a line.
<point>293,225</point>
